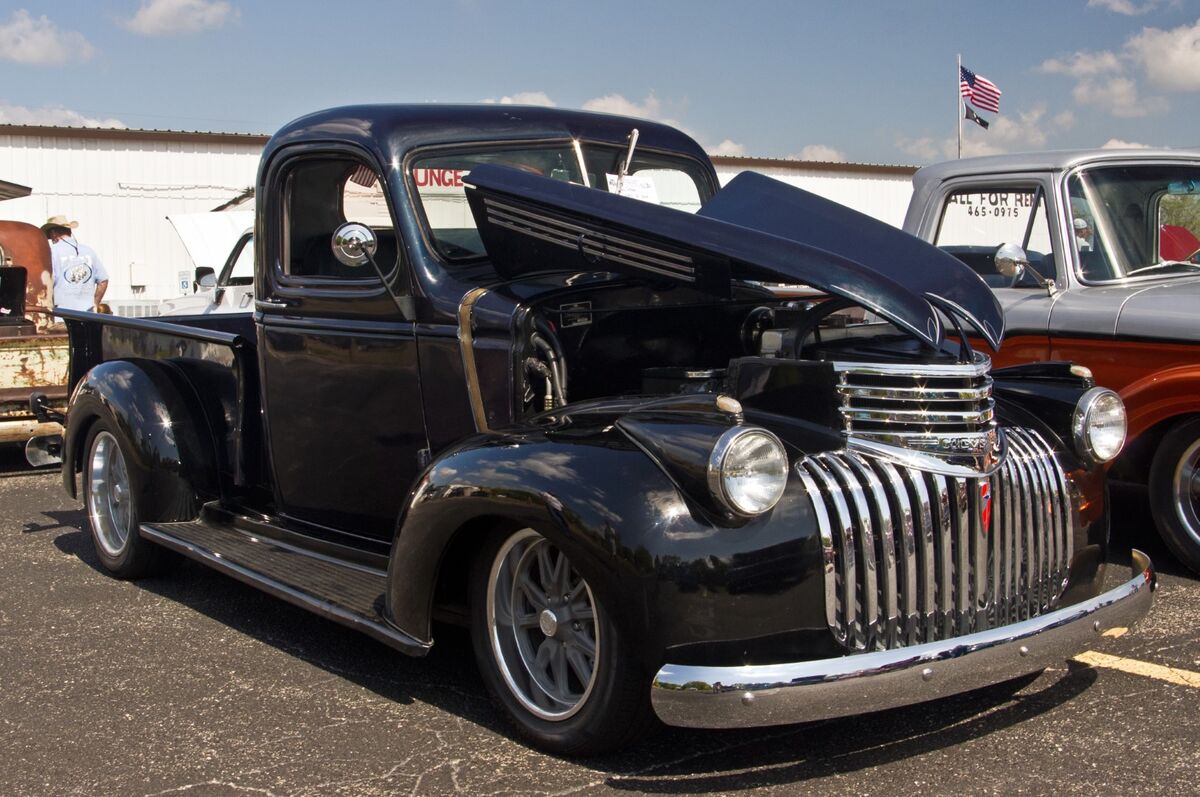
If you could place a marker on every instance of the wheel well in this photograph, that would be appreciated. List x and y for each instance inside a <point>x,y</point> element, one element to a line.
<point>452,586</point>
<point>1134,463</point>
<point>79,444</point>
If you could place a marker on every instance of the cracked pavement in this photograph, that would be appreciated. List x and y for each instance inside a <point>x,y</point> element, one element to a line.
<point>194,684</point>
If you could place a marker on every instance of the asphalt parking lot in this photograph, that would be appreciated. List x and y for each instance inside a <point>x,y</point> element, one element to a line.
<point>195,684</point>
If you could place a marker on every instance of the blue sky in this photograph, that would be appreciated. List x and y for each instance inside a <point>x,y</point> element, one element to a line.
<point>861,81</point>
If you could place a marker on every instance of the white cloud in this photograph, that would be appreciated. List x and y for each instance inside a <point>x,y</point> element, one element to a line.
<point>36,40</point>
<point>923,149</point>
<point>1171,58</point>
<point>524,98</point>
<point>1025,130</point>
<point>819,152</point>
<point>173,17</point>
<point>1126,7</point>
<point>728,148</point>
<point>1063,120</point>
<point>1083,64</point>
<point>1116,143</point>
<point>649,108</point>
<point>52,115</point>
<point>1118,96</point>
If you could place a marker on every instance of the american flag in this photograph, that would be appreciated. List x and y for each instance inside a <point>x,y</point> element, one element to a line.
<point>981,92</point>
<point>364,176</point>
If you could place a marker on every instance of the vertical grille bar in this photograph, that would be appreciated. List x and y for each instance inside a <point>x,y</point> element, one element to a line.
<point>849,569</point>
<point>906,565</point>
<point>835,608</point>
<point>979,549</point>
<point>885,554</point>
<point>963,599</point>
<point>927,567</point>
<point>996,542</point>
<point>1013,549</point>
<point>1047,558</point>
<point>943,556</point>
<point>866,539</point>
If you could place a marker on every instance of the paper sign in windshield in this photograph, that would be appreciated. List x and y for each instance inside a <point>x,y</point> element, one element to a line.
<point>635,187</point>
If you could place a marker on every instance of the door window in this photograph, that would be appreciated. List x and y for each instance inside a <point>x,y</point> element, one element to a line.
<point>976,220</point>
<point>321,194</point>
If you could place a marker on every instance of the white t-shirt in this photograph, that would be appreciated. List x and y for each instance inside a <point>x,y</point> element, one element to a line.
<point>77,270</point>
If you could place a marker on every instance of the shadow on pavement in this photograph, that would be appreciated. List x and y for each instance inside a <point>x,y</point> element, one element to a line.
<point>717,760</point>
<point>857,743</point>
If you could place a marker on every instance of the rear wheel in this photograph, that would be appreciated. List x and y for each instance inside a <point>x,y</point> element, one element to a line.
<point>1175,491</point>
<point>111,482</point>
<point>548,652</point>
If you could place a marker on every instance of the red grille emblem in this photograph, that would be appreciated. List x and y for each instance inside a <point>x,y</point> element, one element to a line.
<point>985,505</point>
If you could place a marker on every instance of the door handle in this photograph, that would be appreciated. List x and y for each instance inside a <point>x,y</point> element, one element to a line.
<point>271,304</point>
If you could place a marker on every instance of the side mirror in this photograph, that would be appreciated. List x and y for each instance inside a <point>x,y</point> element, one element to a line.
<point>354,244</point>
<point>205,279</point>
<point>1011,261</point>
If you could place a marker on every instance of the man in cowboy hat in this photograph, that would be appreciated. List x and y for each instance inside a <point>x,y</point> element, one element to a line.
<point>80,279</point>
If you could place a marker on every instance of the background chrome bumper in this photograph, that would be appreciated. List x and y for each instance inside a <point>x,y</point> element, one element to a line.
<point>777,694</point>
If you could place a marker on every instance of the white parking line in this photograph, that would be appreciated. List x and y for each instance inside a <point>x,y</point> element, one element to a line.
<point>1172,675</point>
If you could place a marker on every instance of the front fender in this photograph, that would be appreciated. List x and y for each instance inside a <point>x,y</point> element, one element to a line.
<point>157,426</point>
<point>664,571</point>
<point>1161,395</point>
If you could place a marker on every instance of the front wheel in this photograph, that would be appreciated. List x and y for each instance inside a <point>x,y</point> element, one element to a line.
<point>1175,491</point>
<point>549,654</point>
<point>111,481</point>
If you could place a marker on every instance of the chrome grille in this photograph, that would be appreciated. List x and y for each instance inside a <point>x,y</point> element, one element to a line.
<point>913,557</point>
<point>900,405</point>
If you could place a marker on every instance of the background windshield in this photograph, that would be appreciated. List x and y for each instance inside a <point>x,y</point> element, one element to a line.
<point>669,181</point>
<point>1133,221</point>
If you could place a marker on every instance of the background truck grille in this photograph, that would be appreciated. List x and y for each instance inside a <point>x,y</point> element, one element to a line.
<point>896,404</point>
<point>914,557</point>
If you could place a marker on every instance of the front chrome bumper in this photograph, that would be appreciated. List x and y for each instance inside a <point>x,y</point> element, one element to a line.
<point>777,694</point>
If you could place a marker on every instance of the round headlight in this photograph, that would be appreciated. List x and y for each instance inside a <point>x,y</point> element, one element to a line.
<point>748,470</point>
<point>1099,424</point>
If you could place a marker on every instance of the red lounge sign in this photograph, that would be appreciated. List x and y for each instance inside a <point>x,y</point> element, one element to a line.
<point>439,178</point>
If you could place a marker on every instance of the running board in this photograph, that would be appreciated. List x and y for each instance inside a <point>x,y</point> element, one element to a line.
<point>344,592</point>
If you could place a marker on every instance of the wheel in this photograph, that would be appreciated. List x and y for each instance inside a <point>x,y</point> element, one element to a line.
<point>549,654</point>
<point>1175,491</point>
<point>111,484</point>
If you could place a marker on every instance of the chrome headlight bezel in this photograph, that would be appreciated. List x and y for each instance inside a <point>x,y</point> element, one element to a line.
<point>719,469</point>
<point>1083,423</point>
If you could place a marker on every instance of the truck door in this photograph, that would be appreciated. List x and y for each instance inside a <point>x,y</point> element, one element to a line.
<point>978,215</point>
<point>338,362</point>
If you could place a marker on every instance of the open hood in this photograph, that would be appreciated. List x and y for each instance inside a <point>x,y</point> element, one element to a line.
<point>209,237</point>
<point>530,223</point>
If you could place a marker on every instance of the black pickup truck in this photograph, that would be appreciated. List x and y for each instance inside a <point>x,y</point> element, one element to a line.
<point>519,368</point>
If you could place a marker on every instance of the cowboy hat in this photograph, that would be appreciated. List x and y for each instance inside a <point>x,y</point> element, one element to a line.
<point>59,221</point>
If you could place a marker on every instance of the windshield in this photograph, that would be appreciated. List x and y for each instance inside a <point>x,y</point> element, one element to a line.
<point>665,180</point>
<point>1135,221</point>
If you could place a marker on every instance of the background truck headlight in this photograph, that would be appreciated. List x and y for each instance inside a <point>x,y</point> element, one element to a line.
<point>1099,424</point>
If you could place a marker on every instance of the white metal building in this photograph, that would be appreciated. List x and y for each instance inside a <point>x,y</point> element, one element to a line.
<point>121,185</point>
<point>881,192</point>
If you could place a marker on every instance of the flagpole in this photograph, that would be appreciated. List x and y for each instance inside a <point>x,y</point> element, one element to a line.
<point>958,105</point>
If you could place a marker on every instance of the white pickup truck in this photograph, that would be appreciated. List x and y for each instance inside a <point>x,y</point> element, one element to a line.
<point>221,246</point>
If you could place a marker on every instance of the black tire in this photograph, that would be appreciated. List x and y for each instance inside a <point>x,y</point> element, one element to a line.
<point>1175,491</point>
<point>112,481</point>
<point>604,714</point>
